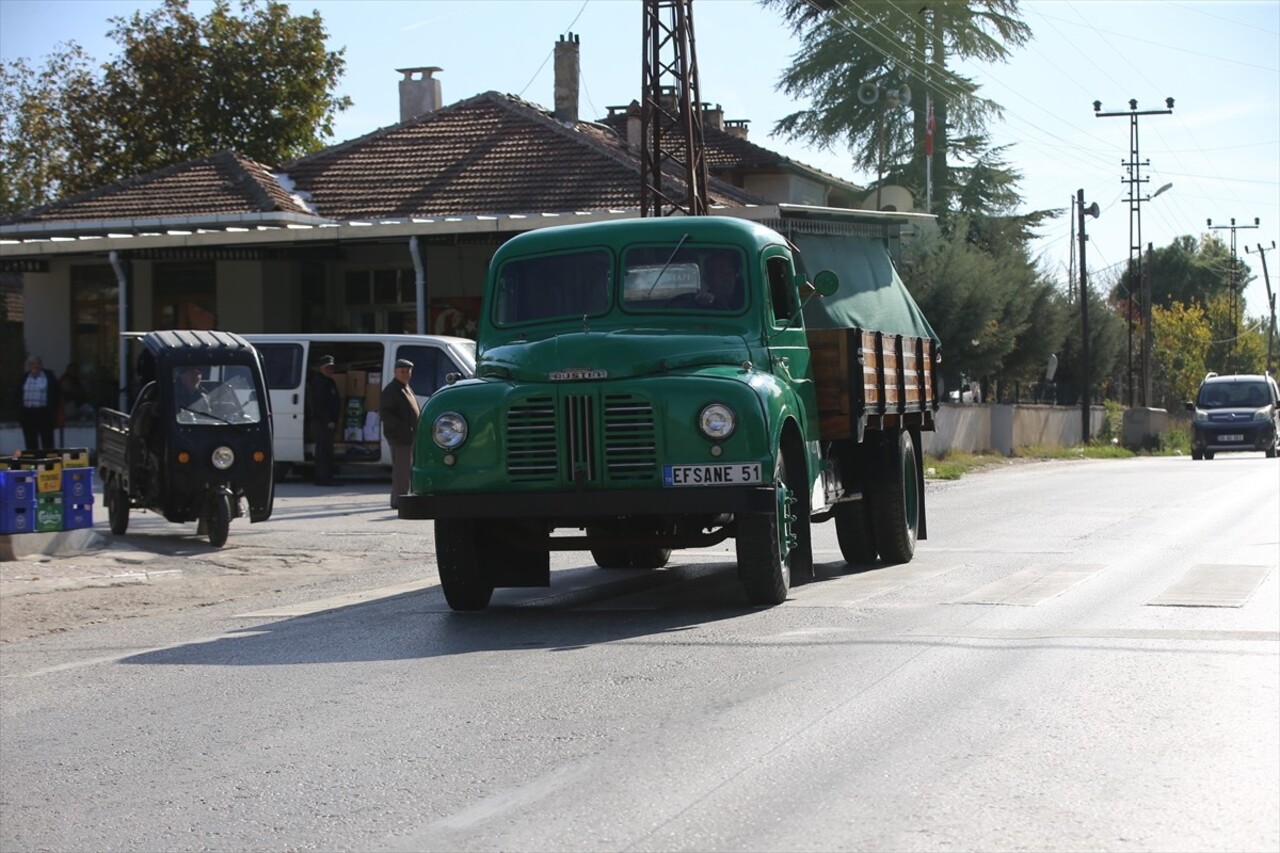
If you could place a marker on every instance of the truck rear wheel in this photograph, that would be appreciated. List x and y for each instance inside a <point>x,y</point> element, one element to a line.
<point>764,545</point>
<point>855,533</point>
<point>467,585</point>
<point>895,514</point>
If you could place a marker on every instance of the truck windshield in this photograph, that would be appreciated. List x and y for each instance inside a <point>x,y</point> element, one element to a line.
<point>553,287</point>
<point>1234,395</point>
<point>698,278</point>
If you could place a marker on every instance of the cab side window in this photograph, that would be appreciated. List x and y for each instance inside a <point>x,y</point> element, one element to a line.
<point>781,292</point>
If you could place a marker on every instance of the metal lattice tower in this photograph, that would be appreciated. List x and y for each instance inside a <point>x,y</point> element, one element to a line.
<point>673,165</point>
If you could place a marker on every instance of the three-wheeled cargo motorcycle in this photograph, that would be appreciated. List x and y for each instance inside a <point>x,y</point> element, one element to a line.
<point>197,441</point>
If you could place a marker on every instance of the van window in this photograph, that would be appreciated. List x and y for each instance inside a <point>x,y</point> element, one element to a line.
<point>282,364</point>
<point>430,366</point>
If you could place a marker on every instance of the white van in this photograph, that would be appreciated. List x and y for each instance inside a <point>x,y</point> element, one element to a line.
<point>363,365</point>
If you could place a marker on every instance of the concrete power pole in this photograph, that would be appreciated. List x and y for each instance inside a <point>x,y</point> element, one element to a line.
<point>1271,301</point>
<point>1233,284</point>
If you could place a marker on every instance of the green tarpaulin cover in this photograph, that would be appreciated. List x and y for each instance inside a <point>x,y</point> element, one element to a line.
<point>871,295</point>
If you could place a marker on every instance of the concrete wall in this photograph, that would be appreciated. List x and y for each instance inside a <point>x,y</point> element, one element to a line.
<point>1001,428</point>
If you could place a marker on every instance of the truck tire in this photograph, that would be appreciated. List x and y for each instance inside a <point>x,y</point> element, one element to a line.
<point>466,583</point>
<point>219,520</point>
<point>764,569</point>
<point>117,506</point>
<point>855,533</point>
<point>895,513</point>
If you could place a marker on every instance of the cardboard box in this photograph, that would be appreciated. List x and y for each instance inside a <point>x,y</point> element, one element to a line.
<point>356,382</point>
<point>372,397</point>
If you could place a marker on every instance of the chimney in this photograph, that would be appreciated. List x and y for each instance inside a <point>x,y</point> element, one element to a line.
<point>713,117</point>
<point>737,127</point>
<point>633,125</point>
<point>418,95</point>
<point>566,93</point>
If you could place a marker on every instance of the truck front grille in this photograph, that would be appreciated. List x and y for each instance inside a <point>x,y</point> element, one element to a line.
<point>531,441</point>
<point>566,441</point>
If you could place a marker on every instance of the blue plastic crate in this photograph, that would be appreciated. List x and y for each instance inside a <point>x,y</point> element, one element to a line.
<point>77,486</point>
<point>76,516</point>
<point>17,487</point>
<point>18,518</point>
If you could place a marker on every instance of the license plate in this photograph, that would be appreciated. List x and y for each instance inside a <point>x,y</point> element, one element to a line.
<point>732,474</point>
<point>1231,437</point>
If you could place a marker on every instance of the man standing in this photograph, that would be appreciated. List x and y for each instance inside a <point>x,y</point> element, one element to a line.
<point>37,398</point>
<point>326,408</point>
<point>399,413</point>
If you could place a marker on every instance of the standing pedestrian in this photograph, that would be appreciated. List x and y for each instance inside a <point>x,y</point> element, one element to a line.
<point>399,412</point>
<point>38,398</point>
<point>326,407</point>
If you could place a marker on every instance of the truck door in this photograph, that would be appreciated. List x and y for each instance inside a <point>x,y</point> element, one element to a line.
<point>788,345</point>
<point>285,367</point>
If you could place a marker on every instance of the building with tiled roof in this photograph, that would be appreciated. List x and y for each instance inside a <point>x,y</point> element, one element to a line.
<point>376,234</point>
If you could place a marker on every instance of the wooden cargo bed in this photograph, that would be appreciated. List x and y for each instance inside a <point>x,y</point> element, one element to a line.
<point>872,380</point>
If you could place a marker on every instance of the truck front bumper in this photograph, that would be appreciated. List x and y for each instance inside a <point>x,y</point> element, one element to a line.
<point>592,504</point>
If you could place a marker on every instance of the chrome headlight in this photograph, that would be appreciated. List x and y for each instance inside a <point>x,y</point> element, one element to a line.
<point>223,458</point>
<point>449,430</point>
<point>717,421</point>
<point>1201,416</point>
<point>1262,414</point>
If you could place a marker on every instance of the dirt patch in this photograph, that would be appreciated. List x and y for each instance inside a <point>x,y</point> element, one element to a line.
<point>43,595</point>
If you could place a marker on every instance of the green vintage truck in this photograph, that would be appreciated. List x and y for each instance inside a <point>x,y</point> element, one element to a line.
<point>644,385</point>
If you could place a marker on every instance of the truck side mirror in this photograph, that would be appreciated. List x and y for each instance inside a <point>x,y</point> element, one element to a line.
<point>826,283</point>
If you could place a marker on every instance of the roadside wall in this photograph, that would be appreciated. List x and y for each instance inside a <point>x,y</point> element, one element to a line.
<point>968,428</point>
<point>1001,428</point>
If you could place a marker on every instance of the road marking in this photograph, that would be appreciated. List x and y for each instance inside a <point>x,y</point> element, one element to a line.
<point>1209,585</point>
<point>306,608</point>
<point>845,590</point>
<point>1030,586</point>
<point>116,658</point>
<point>1140,634</point>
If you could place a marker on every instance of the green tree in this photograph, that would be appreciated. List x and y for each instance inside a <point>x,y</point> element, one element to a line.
<point>49,130</point>
<point>1180,346</point>
<point>848,44</point>
<point>260,83</point>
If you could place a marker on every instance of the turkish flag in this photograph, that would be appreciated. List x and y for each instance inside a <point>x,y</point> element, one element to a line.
<point>930,126</point>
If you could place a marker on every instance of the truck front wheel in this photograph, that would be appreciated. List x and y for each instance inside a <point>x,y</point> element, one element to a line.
<point>896,511</point>
<point>466,583</point>
<point>764,544</point>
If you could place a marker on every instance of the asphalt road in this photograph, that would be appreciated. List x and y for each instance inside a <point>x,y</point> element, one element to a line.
<point>1083,656</point>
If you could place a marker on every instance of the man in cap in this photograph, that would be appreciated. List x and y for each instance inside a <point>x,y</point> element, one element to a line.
<point>399,413</point>
<point>325,403</point>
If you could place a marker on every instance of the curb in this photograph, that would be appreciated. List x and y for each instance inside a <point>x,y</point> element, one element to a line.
<point>15,546</point>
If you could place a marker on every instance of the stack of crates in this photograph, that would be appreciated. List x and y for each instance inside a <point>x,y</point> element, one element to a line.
<point>57,490</point>
<point>17,498</point>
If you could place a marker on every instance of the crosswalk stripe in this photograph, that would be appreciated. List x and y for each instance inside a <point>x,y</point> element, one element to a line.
<point>1209,585</point>
<point>1030,586</point>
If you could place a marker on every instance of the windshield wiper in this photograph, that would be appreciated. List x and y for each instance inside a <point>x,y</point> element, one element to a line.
<point>674,252</point>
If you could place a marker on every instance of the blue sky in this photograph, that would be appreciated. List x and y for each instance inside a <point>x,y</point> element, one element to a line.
<point>1220,61</point>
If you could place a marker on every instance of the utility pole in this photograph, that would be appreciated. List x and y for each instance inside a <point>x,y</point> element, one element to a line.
<point>1271,300</point>
<point>671,147</point>
<point>1086,397</point>
<point>1135,180</point>
<point>1233,274</point>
